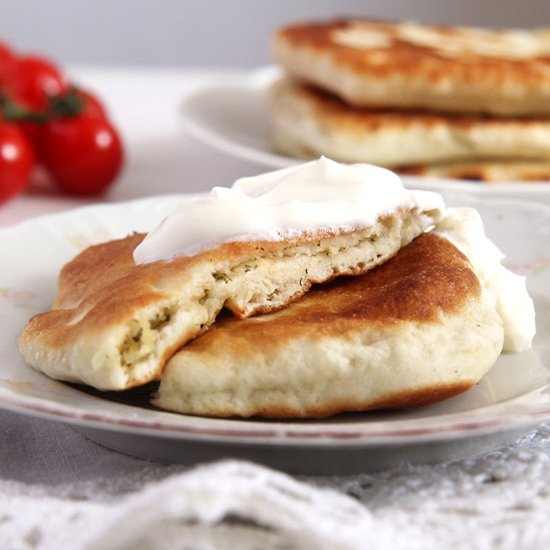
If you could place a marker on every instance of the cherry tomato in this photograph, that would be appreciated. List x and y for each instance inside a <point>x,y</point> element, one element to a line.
<point>33,80</point>
<point>7,61</point>
<point>83,154</point>
<point>92,105</point>
<point>16,161</point>
<point>76,101</point>
<point>73,102</point>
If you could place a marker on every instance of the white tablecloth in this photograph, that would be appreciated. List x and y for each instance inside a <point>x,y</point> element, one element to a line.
<point>59,490</point>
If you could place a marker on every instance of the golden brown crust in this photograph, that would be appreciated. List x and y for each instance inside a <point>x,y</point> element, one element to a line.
<point>407,399</point>
<point>110,262</point>
<point>490,171</point>
<point>513,64</point>
<point>332,110</point>
<point>406,57</point>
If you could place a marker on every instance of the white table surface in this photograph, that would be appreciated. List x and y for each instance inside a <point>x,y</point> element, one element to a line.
<point>59,490</point>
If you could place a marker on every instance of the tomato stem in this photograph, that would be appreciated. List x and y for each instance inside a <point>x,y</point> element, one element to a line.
<point>69,104</point>
<point>13,112</point>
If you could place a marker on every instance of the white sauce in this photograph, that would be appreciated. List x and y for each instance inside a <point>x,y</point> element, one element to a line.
<point>464,228</point>
<point>320,194</point>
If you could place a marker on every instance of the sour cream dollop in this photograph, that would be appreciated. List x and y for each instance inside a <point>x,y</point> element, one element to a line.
<point>507,290</point>
<point>320,194</point>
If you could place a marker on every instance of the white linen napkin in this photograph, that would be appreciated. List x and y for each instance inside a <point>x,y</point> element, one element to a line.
<point>498,500</point>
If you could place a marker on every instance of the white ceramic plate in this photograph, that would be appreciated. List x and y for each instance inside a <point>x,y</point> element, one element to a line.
<point>229,114</point>
<point>513,397</point>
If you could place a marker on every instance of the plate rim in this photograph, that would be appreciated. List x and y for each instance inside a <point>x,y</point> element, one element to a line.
<point>272,434</point>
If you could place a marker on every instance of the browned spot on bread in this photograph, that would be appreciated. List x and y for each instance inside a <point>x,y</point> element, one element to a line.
<point>331,109</point>
<point>410,59</point>
<point>490,171</point>
<point>406,64</point>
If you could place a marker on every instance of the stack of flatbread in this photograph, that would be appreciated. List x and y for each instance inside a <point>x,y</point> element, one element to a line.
<point>455,102</point>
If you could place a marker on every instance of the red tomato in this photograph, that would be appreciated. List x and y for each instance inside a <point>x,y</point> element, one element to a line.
<point>76,101</point>
<point>7,60</point>
<point>83,154</point>
<point>72,103</point>
<point>92,105</point>
<point>16,161</point>
<point>33,80</point>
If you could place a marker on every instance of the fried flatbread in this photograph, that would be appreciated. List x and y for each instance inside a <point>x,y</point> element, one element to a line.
<point>503,171</point>
<point>409,65</point>
<point>114,324</point>
<point>413,331</point>
<point>308,122</point>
